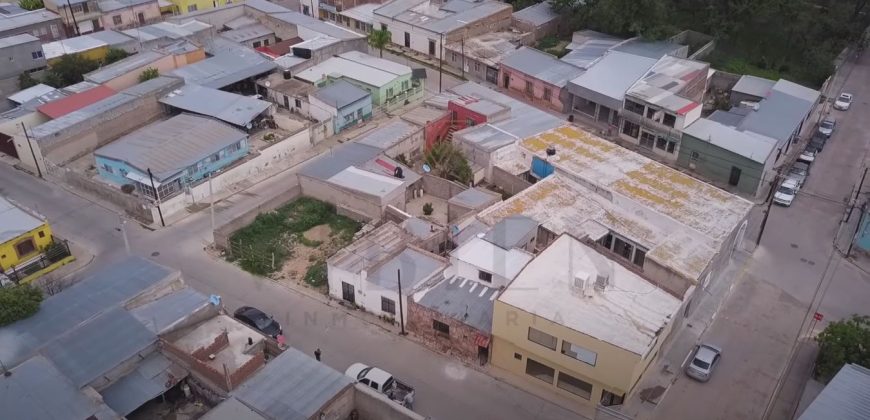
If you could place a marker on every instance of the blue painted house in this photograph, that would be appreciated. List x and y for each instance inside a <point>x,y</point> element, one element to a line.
<point>179,151</point>
<point>345,103</point>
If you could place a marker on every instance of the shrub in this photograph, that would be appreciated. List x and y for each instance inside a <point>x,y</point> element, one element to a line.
<point>846,341</point>
<point>128,188</point>
<point>18,302</point>
<point>317,274</point>
<point>428,209</point>
<point>148,74</point>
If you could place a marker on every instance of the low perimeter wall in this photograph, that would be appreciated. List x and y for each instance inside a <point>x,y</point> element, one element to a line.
<point>223,233</point>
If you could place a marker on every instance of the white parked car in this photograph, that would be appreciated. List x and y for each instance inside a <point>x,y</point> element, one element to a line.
<point>808,155</point>
<point>843,102</point>
<point>786,193</point>
<point>826,127</point>
<point>704,360</point>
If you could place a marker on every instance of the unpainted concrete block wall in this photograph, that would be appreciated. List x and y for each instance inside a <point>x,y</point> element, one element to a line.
<point>461,342</point>
<point>440,187</point>
<point>508,182</point>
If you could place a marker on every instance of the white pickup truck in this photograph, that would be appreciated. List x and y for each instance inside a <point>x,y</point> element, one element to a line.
<point>383,382</point>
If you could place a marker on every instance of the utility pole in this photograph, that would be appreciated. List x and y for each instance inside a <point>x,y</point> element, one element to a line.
<point>73,16</point>
<point>463,56</point>
<point>124,234</point>
<point>769,204</point>
<point>440,60</point>
<point>32,153</point>
<point>156,198</point>
<point>211,204</point>
<point>401,308</point>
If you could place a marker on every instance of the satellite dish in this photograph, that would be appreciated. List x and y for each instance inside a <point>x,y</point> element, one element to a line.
<point>426,168</point>
<point>248,126</point>
<point>268,83</point>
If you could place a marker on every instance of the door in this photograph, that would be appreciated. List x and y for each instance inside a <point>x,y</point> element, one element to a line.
<point>141,18</point>
<point>347,292</point>
<point>7,146</point>
<point>408,41</point>
<point>431,47</point>
<point>506,80</point>
<point>735,176</point>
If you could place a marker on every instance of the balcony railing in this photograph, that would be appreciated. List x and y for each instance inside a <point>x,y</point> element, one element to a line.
<point>651,125</point>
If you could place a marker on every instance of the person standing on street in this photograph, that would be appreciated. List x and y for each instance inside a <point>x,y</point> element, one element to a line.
<point>317,354</point>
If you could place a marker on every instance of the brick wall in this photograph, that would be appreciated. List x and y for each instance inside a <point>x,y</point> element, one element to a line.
<point>440,187</point>
<point>247,370</point>
<point>202,371</point>
<point>220,342</point>
<point>460,343</point>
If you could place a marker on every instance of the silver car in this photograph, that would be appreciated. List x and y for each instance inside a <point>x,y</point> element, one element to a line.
<point>704,359</point>
<point>827,126</point>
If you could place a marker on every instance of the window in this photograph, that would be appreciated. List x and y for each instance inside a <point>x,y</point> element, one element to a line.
<point>672,145</point>
<point>25,247</point>
<point>608,398</point>
<point>431,47</point>
<point>575,386</point>
<point>661,143</point>
<point>77,8</point>
<point>41,234</point>
<point>547,94</point>
<point>639,257</point>
<point>695,155</point>
<point>734,179</point>
<point>631,129</point>
<point>215,157</point>
<point>36,55</point>
<point>54,31</point>
<point>108,168</point>
<point>116,19</point>
<point>622,248</point>
<point>579,353</point>
<point>141,17</point>
<point>529,88</point>
<point>542,338</point>
<point>389,93</point>
<point>408,43</point>
<point>440,327</point>
<point>356,24</point>
<point>191,8</point>
<point>453,56</point>
<point>540,371</point>
<point>669,120</point>
<point>518,356</point>
<point>476,66</point>
<point>388,305</point>
<point>257,44</point>
<point>634,107</point>
<point>123,172</point>
<point>469,122</point>
<point>383,27</point>
<point>483,275</point>
<point>359,114</point>
<point>234,147</point>
<point>651,113</point>
<point>647,139</point>
<point>298,103</point>
<point>306,10</point>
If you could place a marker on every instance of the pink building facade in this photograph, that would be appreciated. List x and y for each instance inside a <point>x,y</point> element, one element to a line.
<point>538,78</point>
<point>121,14</point>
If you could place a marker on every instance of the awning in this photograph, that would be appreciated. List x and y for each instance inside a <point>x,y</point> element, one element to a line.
<point>144,180</point>
<point>482,340</point>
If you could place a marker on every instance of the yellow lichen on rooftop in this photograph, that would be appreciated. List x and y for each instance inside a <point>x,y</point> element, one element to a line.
<point>676,177</point>
<point>627,188</point>
<point>638,231</point>
<point>535,144</point>
<point>656,183</point>
<point>589,139</point>
<point>519,204</point>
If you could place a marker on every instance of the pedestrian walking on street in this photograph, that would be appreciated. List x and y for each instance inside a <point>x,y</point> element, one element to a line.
<point>317,354</point>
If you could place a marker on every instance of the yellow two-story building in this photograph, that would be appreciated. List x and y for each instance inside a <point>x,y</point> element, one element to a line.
<point>578,324</point>
<point>23,235</point>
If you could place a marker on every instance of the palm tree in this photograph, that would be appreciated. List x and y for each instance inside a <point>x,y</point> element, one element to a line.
<point>448,161</point>
<point>379,39</point>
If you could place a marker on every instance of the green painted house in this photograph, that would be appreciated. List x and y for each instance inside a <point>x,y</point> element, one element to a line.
<point>390,84</point>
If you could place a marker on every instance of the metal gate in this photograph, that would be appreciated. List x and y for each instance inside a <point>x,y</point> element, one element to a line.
<point>347,292</point>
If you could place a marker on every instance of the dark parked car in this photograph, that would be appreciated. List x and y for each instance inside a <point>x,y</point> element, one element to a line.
<point>258,320</point>
<point>817,143</point>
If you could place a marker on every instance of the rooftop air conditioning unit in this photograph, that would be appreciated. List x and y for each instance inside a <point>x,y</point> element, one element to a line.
<point>601,282</point>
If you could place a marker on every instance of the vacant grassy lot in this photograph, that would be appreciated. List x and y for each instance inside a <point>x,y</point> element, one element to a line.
<point>305,229</point>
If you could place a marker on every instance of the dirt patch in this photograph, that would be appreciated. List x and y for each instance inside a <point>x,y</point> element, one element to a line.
<point>320,233</point>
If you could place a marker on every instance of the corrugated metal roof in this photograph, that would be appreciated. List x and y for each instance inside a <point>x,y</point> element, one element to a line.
<point>293,386</point>
<point>32,92</point>
<point>98,346</point>
<point>542,66</point>
<point>340,94</point>
<point>123,67</point>
<point>225,106</point>
<point>474,198</point>
<point>79,87</point>
<point>164,313</point>
<point>350,69</point>
<point>439,18</point>
<point>729,118</point>
<point>225,68</point>
<point>247,33</point>
<point>378,63</point>
<point>339,158</point>
<point>416,267</point>
<point>78,44</point>
<point>232,409</point>
<point>388,135</point>
<point>170,146</point>
<point>756,148</point>
<point>14,21</point>
<point>465,300</point>
<point>14,40</point>
<point>846,397</point>
<point>537,14</point>
<point>778,116</point>
<point>112,5</point>
<point>649,49</point>
<point>111,37</point>
<point>37,390</point>
<point>315,25</point>
<point>14,221</point>
<point>362,13</point>
<point>371,249</point>
<point>146,382</point>
<point>608,80</point>
<point>366,182</point>
<point>62,312</point>
<point>72,103</point>
<point>752,85</point>
<point>664,84</point>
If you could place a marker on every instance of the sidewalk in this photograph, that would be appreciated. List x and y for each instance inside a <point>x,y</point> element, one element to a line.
<point>660,375</point>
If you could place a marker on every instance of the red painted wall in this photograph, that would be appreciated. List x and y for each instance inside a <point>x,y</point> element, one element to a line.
<point>462,114</point>
<point>437,130</point>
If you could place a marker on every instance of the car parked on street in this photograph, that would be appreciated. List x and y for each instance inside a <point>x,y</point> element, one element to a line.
<point>808,155</point>
<point>817,143</point>
<point>843,102</point>
<point>786,193</point>
<point>826,127</point>
<point>259,321</point>
<point>383,382</point>
<point>800,171</point>
<point>705,357</point>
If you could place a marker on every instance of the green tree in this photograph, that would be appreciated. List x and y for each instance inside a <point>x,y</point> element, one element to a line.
<point>18,302</point>
<point>379,39</point>
<point>70,69</point>
<point>148,74</point>
<point>448,162</point>
<point>25,80</point>
<point>30,4</point>
<point>115,54</point>
<point>846,341</point>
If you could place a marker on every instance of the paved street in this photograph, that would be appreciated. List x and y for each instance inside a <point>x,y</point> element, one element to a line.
<point>446,389</point>
<point>760,321</point>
